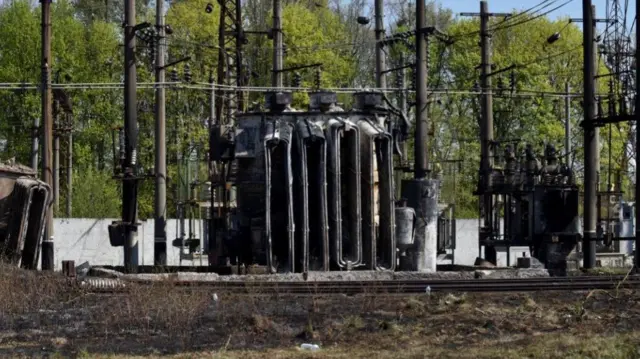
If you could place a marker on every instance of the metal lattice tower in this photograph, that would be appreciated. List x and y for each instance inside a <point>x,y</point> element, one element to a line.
<point>230,71</point>
<point>617,52</point>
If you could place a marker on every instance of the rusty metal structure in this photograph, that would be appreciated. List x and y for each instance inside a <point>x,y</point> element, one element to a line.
<point>24,205</point>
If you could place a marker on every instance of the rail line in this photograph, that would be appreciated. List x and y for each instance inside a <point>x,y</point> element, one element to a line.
<point>98,285</point>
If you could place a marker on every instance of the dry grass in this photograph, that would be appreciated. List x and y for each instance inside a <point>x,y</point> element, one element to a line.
<point>40,315</point>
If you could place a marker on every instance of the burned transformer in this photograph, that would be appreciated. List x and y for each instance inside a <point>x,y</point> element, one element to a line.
<point>315,188</point>
<point>24,202</point>
<point>538,206</point>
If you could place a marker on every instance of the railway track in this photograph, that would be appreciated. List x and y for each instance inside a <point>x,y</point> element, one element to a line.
<point>98,285</point>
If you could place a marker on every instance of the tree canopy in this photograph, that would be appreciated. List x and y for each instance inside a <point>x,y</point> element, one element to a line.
<point>87,48</point>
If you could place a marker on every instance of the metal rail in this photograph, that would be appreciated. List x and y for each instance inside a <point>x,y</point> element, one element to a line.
<point>98,285</point>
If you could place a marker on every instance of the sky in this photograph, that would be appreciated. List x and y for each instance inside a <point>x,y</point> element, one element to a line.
<point>573,9</point>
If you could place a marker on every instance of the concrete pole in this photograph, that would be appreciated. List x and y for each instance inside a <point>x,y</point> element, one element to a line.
<point>47,121</point>
<point>70,167</point>
<point>213,247</point>
<point>277,44</point>
<point>567,125</point>
<point>402,104</point>
<point>421,165</point>
<point>590,140</point>
<point>381,78</point>
<point>486,125</point>
<point>422,193</point>
<point>34,143</point>
<point>637,124</point>
<point>56,162</point>
<point>130,185</point>
<point>160,209</point>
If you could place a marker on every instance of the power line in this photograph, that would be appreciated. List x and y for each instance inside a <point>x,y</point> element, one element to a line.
<point>533,18</point>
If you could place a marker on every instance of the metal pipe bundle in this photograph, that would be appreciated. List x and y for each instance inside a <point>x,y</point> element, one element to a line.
<point>28,204</point>
<point>41,201</point>
<point>311,196</point>
<point>279,215</point>
<point>378,217</point>
<point>344,193</point>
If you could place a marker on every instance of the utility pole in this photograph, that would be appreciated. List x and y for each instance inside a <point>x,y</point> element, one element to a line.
<point>129,183</point>
<point>56,155</point>
<point>637,146</point>
<point>421,165</point>
<point>422,192</point>
<point>486,128</point>
<point>381,80</point>
<point>47,121</point>
<point>34,143</point>
<point>567,125</point>
<point>402,104</point>
<point>211,231</point>
<point>160,210</point>
<point>69,165</point>
<point>277,44</point>
<point>590,140</point>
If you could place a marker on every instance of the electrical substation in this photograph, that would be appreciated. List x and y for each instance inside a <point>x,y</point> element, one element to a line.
<point>330,187</point>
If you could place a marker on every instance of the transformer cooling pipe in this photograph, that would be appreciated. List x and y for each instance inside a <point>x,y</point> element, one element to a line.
<point>344,193</point>
<point>378,225</point>
<point>311,212</point>
<point>279,215</point>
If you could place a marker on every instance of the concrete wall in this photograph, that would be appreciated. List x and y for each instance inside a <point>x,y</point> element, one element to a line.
<point>84,239</point>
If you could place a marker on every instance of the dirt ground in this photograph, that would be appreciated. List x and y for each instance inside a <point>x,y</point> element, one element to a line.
<point>41,317</point>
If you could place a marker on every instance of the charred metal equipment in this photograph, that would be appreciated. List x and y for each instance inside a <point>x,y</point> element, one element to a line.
<point>538,204</point>
<point>24,204</point>
<point>315,187</point>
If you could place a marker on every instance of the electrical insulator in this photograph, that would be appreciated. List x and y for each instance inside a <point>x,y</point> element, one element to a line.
<point>623,105</point>
<point>121,142</point>
<point>600,109</point>
<point>297,79</point>
<point>318,78</point>
<point>285,50</point>
<point>610,86</point>
<point>413,80</point>
<point>512,81</point>
<point>174,75</point>
<point>400,80</point>
<point>152,51</point>
<point>500,83</point>
<point>187,73</point>
<point>476,87</point>
<point>428,57</point>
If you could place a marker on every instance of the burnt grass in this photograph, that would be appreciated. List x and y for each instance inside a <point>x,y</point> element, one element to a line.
<point>40,315</point>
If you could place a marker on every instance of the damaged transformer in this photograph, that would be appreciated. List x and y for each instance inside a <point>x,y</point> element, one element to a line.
<point>538,206</point>
<point>24,202</point>
<point>315,188</point>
